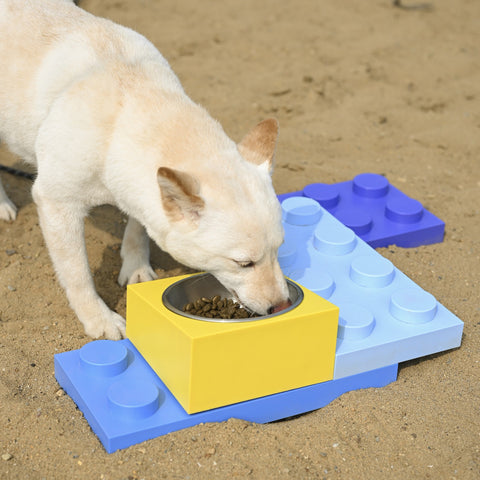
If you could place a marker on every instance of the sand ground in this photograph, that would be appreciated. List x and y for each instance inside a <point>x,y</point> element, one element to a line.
<point>357,87</point>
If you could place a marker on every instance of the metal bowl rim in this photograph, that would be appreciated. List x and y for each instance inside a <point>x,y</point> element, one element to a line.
<point>228,320</point>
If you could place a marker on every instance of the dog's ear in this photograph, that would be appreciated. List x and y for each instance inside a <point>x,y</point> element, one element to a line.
<point>180,197</point>
<point>258,145</point>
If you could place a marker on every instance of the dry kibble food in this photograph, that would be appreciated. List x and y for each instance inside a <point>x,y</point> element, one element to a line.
<point>217,307</point>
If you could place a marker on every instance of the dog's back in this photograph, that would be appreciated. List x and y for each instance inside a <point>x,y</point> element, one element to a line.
<point>59,44</point>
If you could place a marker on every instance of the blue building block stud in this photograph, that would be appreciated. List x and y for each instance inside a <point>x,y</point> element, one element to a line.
<point>385,318</point>
<point>125,402</point>
<point>376,211</point>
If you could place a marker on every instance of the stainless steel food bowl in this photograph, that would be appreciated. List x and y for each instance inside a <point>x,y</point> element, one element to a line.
<point>177,295</point>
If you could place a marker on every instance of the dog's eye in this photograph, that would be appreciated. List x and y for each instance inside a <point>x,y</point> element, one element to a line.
<point>246,264</point>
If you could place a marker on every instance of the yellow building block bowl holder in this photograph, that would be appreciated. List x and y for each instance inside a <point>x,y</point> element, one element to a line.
<point>209,364</point>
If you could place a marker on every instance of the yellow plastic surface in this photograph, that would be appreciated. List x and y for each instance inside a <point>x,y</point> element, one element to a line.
<point>207,365</point>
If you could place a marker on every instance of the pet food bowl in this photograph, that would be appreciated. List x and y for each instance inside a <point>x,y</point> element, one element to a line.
<point>190,289</point>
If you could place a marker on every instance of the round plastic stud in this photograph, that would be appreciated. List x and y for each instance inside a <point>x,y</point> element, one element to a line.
<point>372,271</point>
<point>104,358</point>
<point>301,211</point>
<point>133,399</point>
<point>404,210</point>
<point>287,254</point>
<point>317,281</point>
<point>355,322</point>
<point>360,222</point>
<point>334,240</point>
<point>413,305</point>
<point>326,195</point>
<point>370,185</point>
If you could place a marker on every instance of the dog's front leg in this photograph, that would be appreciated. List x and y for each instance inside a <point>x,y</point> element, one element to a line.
<point>63,228</point>
<point>8,211</point>
<point>135,255</point>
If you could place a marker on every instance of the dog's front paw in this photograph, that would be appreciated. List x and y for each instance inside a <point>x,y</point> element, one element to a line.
<point>8,211</point>
<point>111,325</point>
<point>127,275</point>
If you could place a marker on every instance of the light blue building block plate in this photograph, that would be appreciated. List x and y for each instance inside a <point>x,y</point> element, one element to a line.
<point>385,317</point>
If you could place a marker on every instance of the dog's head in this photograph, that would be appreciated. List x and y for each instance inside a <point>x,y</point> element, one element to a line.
<point>227,220</point>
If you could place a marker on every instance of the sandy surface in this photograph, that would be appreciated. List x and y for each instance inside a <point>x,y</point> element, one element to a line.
<point>357,87</point>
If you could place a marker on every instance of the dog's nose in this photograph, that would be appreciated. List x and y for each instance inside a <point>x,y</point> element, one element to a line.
<point>278,308</point>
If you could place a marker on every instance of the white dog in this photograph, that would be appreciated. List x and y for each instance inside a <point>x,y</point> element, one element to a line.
<point>100,113</point>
